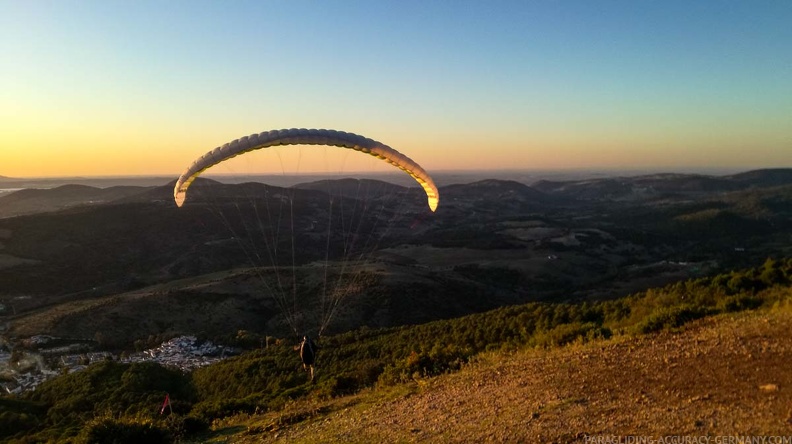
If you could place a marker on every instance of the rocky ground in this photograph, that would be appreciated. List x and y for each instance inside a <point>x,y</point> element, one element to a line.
<point>720,376</point>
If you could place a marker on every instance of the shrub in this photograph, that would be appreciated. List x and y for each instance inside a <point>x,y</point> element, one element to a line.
<point>206,411</point>
<point>566,333</point>
<point>739,302</point>
<point>337,386</point>
<point>123,431</point>
<point>670,317</point>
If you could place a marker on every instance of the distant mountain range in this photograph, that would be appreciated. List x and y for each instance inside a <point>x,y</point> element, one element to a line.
<point>98,182</point>
<point>656,185</point>
<point>31,201</point>
<point>136,256</point>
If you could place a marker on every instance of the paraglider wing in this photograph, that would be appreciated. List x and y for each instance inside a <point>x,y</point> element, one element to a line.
<point>306,137</point>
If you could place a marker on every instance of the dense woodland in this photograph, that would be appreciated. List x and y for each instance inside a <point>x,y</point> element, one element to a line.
<point>113,402</point>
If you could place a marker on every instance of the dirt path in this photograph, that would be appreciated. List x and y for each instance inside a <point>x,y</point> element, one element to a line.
<point>723,376</point>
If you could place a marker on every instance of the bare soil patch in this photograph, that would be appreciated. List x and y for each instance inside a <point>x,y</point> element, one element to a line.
<point>720,376</point>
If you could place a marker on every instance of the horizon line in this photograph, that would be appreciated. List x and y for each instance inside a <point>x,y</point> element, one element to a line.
<point>598,170</point>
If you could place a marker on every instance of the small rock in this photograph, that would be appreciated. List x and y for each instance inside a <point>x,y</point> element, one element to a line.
<point>769,388</point>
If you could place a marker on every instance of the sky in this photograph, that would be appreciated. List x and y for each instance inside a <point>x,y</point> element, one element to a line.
<point>98,88</point>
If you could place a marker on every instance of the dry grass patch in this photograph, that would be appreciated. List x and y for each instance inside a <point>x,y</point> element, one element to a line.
<point>706,379</point>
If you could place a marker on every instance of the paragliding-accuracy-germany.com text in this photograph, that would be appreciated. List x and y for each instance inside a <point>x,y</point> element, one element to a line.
<point>686,439</point>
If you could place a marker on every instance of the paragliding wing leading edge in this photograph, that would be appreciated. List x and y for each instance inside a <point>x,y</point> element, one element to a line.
<point>306,137</point>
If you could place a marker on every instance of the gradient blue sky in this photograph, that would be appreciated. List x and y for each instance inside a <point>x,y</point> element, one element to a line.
<point>136,87</point>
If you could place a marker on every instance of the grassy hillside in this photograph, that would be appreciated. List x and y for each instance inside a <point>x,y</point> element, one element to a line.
<point>725,375</point>
<point>122,400</point>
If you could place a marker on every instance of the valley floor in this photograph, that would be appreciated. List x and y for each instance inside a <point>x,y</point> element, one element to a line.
<point>720,376</point>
